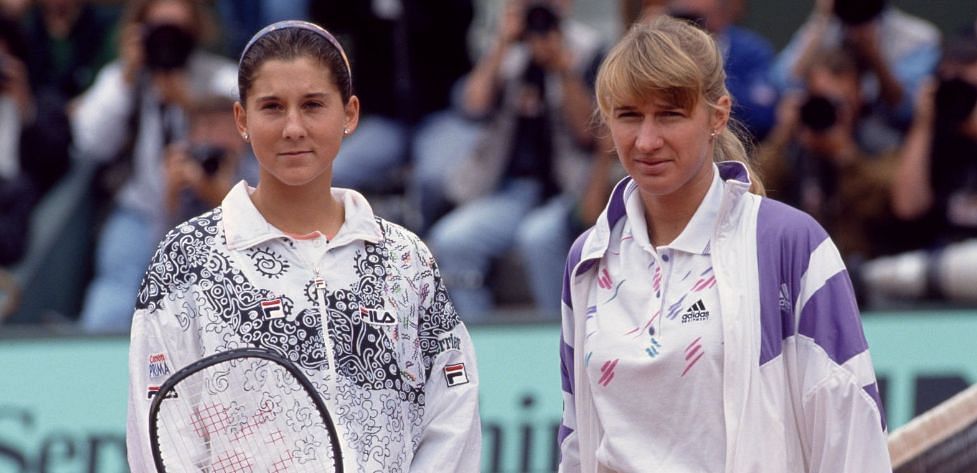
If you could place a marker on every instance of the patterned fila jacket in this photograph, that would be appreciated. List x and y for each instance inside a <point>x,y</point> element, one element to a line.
<point>365,316</point>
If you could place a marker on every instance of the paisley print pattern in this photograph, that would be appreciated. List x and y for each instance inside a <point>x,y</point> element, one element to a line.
<point>250,297</point>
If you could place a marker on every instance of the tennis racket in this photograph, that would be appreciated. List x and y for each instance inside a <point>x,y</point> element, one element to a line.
<point>941,440</point>
<point>242,410</point>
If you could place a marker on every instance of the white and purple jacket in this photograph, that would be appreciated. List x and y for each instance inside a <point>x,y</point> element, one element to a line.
<point>799,387</point>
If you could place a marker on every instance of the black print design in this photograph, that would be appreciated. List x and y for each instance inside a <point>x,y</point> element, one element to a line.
<point>268,263</point>
<point>192,272</point>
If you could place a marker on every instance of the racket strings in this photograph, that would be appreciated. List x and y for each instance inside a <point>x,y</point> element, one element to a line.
<point>242,415</point>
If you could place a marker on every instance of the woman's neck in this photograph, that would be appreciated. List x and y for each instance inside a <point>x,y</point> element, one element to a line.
<point>299,210</point>
<point>667,216</point>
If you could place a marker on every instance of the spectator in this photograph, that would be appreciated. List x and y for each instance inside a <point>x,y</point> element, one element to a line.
<point>935,188</point>
<point>896,50</point>
<point>203,168</point>
<point>532,87</point>
<point>17,189</point>
<point>135,109</point>
<point>814,160</point>
<point>68,43</point>
<point>408,114</point>
<point>748,57</point>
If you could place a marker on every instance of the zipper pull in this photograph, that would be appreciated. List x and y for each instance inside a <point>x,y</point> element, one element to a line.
<point>320,283</point>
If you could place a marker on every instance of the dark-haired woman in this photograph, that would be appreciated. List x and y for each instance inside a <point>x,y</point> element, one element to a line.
<point>304,269</point>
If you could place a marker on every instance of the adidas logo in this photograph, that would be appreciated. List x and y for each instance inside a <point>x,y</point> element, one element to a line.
<point>696,313</point>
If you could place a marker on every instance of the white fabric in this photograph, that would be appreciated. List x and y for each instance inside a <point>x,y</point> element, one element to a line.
<point>391,398</point>
<point>799,411</point>
<point>654,347</point>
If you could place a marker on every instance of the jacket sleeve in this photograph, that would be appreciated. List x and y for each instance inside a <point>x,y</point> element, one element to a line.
<point>451,435</point>
<point>160,344</point>
<point>843,425</point>
<point>567,435</point>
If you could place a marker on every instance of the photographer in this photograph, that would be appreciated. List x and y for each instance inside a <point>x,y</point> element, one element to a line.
<point>532,89</point>
<point>134,110</point>
<point>201,169</point>
<point>814,160</point>
<point>935,188</point>
<point>895,50</point>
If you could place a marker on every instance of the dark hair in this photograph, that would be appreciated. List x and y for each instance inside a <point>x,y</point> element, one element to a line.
<point>289,44</point>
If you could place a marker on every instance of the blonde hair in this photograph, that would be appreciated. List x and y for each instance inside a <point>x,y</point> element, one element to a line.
<point>674,61</point>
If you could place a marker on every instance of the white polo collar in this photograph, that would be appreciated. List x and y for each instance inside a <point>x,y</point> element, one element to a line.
<point>244,226</point>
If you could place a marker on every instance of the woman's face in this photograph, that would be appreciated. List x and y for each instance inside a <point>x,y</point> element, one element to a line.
<point>295,119</point>
<point>665,149</point>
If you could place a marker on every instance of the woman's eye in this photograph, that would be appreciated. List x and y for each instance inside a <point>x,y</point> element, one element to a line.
<point>313,105</point>
<point>271,106</point>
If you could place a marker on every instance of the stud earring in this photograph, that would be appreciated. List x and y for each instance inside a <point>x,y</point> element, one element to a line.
<point>246,137</point>
<point>345,131</point>
<point>713,134</point>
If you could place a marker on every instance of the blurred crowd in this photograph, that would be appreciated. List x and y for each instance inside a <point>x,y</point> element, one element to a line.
<point>487,147</point>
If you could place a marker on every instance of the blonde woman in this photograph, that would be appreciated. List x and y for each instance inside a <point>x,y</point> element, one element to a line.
<point>706,328</point>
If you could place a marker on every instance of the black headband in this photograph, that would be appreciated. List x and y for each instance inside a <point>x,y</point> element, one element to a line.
<point>305,25</point>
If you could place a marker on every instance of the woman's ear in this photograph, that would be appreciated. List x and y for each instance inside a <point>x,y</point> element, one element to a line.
<point>720,113</point>
<point>241,120</point>
<point>352,115</point>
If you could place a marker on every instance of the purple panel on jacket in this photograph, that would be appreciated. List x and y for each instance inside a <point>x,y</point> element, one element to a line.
<point>615,211</point>
<point>831,318</point>
<point>566,365</point>
<point>873,390</point>
<point>572,259</point>
<point>785,239</point>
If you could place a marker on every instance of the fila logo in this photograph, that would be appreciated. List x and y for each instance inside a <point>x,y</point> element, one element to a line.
<point>377,317</point>
<point>696,313</point>
<point>152,391</point>
<point>455,374</point>
<point>272,308</point>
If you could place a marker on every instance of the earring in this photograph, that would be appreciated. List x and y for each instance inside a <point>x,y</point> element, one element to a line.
<point>713,134</point>
<point>345,131</point>
<point>246,137</point>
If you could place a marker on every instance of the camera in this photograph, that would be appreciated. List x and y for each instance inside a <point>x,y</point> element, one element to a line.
<point>540,20</point>
<point>954,101</point>
<point>209,157</point>
<point>818,113</point>
<point>858,12</point>
<point>167,47</point>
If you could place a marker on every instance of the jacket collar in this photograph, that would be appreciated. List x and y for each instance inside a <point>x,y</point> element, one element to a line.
<point>244,226</point>
<point>736,182</point>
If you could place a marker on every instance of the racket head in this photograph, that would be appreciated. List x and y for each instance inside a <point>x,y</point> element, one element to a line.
<point>241,410</point>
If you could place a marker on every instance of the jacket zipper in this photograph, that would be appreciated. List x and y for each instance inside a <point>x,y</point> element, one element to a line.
<point>320,285</point>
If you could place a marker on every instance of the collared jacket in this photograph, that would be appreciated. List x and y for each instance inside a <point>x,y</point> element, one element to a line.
<point>229,279</point>
<point>799,389</point>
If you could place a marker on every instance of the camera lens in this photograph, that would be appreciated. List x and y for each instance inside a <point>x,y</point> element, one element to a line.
<point>541,19</point>
<point>209,157</point>
<point>858,12</point>
<point>818,113</point>
<point>168,47</point>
